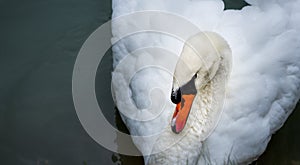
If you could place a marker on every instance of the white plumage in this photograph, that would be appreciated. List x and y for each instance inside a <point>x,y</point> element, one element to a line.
<point>263,88</point>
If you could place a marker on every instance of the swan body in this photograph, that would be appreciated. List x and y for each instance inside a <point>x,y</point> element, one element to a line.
<point>256,58</point>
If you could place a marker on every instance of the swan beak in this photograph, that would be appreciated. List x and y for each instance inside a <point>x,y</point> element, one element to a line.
<point>181,113</point>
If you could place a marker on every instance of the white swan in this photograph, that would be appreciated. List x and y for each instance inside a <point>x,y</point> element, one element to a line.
<point>262,90</point>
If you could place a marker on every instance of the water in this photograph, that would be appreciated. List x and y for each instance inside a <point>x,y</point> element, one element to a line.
<point>38,124</point>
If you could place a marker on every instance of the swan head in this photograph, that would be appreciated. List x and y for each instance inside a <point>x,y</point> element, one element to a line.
<point>198,64</point>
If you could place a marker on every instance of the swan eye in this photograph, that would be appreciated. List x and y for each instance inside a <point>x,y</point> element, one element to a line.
<point>176,96</point>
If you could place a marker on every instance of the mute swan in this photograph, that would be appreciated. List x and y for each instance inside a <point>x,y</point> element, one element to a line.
<point>261,90</point>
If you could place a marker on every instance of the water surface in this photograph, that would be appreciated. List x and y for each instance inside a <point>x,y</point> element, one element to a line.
<point>38,124</point>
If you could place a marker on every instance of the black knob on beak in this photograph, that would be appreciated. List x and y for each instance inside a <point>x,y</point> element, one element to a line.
<point>176,96</point>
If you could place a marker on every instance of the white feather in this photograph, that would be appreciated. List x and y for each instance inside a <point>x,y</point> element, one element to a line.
<point>264,85</point>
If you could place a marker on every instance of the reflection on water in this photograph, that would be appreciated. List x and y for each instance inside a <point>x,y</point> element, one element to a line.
<point>38,124</point>
<point>123,159</point>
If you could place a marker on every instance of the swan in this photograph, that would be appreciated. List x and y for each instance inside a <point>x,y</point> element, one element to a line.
<point>227,88</point>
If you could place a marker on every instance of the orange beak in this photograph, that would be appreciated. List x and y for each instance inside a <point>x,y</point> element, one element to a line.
<point>181,113</point>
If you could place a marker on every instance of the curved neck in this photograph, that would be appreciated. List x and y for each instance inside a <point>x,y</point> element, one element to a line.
<point>212,64</point>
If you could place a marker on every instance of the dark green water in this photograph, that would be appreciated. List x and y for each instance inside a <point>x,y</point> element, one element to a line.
<point>39,41</point>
